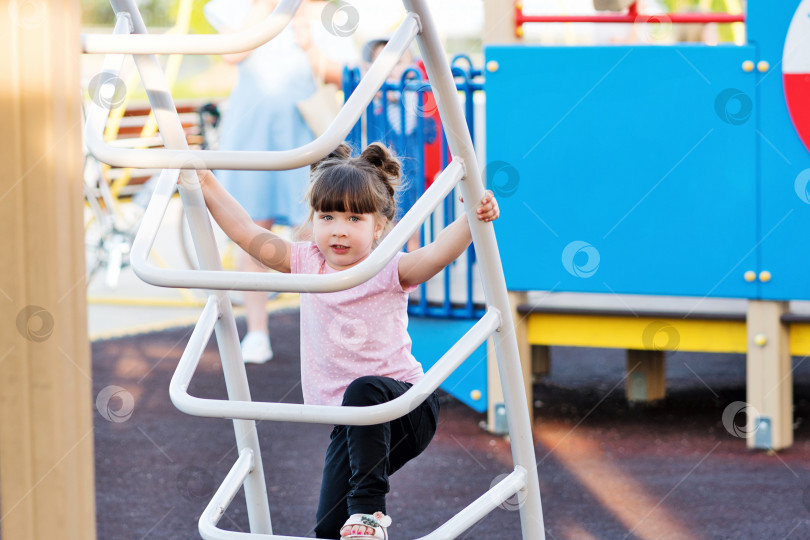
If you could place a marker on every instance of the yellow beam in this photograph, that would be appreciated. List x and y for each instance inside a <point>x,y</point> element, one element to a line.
<point>640,333</point>
<point>799,339</point>
<point>629,333</point>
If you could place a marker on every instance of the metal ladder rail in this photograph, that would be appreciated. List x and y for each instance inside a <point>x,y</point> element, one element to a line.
<point>318,414</point>
<point>431,40</point>
<point>456,525</point>
<point>264,160</point>
<point>145,69</point>
<point>466,518</point>
<point>489,324</point>
<point>257,281</point>
<point>218,279</point>
<point>492,278</point>
<point>142,43</point>
<point>236,383</point>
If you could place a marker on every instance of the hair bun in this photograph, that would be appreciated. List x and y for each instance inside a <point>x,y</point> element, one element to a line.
<point>380,156</point>
<point>341,153</point>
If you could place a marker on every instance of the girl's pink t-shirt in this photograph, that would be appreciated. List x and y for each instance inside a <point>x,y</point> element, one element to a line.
<point>348,334</point>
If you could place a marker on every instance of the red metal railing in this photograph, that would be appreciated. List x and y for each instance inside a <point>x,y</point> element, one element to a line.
<point>632,16</point>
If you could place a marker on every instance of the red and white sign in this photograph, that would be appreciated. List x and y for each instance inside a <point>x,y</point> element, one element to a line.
<point>796,71</point>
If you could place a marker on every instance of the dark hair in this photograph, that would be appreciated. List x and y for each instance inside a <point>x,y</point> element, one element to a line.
<point>365,184</point>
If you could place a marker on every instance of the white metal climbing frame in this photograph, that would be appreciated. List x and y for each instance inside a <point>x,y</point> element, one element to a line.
<point>176,160</point>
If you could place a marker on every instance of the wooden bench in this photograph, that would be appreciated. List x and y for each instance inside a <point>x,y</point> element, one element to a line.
<point>768,333</point>
<point>128,181</point>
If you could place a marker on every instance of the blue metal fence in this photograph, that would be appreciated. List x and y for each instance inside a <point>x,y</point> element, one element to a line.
<point>404,117</point>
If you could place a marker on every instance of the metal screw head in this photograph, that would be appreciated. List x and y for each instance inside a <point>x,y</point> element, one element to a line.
<point>492,66</point>
<point>764,276</point>
<point>748,66</point>
<point>760,340</point>
<point>763,66</point>
<point>750,276</point>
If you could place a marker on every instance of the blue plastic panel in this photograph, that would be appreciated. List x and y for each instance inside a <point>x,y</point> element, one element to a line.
<point>432,338</point>
<point>784,165</point>
<point>624,169</point>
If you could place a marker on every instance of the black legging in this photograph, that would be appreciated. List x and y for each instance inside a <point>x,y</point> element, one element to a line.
<point>360,458</point>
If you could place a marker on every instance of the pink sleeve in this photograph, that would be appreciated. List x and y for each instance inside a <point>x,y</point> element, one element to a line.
<point>299,256</point>
<point>394,277</point>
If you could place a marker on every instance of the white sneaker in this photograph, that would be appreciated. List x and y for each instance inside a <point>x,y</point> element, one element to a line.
<point>256,348</point>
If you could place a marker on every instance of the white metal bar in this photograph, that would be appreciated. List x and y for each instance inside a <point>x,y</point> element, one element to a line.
<point>268,160</point>
<point>123,27</point>
<point>264,281</point>
<point>489,262</point>
<point>96,115</point>
<point>195,44</point>
<point>200,337</point>
<point>459,523</point>
<point>233,368</point>
<point>483,505</point>
<point>177,156</point>
<point>223,498</point>
<point>224,495</point>
<point>325,414</point>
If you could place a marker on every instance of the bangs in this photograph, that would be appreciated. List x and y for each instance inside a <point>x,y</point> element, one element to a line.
<point>343,188</point>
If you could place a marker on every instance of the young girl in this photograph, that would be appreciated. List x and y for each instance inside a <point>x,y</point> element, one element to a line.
<point>355,348</point>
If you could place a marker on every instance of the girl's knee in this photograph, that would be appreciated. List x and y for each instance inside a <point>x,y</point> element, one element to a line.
<point>365,391</point>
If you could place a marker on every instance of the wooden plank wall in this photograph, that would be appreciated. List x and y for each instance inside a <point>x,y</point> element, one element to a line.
<point>46,398</point>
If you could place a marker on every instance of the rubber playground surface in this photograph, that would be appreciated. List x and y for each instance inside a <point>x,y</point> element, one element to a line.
<point>607,470</point>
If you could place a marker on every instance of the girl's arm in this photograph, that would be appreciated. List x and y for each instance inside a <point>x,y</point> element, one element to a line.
<point>424,263</point>
<point>269,249</point>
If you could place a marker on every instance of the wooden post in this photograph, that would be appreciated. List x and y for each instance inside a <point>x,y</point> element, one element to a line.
<point>499,22</point>
<point>769,379</point>
<point>46,402</point>
<point>646,375</point>
<point>541,361</point>
<point>494,390</point>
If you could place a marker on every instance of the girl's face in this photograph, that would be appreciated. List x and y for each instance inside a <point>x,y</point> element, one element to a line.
<point>345,238</point>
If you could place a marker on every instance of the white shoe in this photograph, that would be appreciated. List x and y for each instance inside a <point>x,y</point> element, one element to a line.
<point>256,348</point>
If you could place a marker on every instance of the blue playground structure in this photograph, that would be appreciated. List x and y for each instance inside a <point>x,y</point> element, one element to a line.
<point>674,165</point>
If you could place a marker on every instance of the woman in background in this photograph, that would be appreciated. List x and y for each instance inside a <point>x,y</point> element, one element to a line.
<point>262,115</point>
